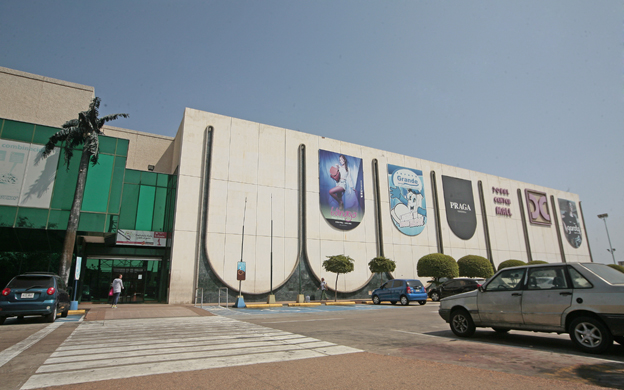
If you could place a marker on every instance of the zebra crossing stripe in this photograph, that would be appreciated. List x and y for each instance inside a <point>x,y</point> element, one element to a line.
<point>8,354</point>
<point>120,349</point>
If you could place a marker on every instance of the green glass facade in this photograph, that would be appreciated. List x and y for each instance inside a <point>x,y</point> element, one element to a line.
<point>114,197</point>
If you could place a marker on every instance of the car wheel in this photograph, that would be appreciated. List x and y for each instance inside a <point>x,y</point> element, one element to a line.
<point>65,313</point>
<point>2,320</point>
<point>422,302</point>
<point>435,296</point>
<point>393,302</point>
<point>461,323</point>
<point>376,300</point>
<point>590,335</point>
<point>619,339</point>
<point>404,300</point>
<point>52,316</point>
<point>501,330</point>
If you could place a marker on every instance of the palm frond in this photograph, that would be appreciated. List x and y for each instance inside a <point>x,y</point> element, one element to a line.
<point>71,123</point>
<point>109,118</point>
<point>81,131</point>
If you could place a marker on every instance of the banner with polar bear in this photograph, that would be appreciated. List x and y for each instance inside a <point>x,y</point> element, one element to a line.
<point>408,208</point>
<point>341,189</point>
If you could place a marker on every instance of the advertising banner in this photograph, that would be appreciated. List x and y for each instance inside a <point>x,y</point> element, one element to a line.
<point>407,199</point>
<point>26,178</point>
<point>341,189</point>
<point>141,238</point>
<point>571,225</point>
<point>241,270</point>
<point>460,207</point>
<point>537,207</point>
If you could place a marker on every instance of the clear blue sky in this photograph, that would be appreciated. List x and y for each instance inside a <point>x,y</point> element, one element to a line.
<point>527,90</point>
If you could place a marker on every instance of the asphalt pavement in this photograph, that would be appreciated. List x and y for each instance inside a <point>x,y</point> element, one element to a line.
<point>153,346</point>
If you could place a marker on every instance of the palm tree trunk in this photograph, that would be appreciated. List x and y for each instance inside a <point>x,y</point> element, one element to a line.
<point>74,217</point>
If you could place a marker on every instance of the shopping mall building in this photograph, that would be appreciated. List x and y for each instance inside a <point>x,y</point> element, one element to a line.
<point>227,199</point>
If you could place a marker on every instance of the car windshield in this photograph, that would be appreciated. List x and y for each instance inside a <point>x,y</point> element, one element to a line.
<point>609,274</point>
<point>31,282</point>
<point>414,283</point>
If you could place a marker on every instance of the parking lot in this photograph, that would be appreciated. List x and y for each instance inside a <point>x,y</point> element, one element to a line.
<point>409,333</point>
<point>417,332</point>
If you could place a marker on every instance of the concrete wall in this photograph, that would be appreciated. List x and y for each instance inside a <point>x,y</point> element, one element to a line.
<point>146,149</point>
<point>256,162</point>
<point>41,100</point>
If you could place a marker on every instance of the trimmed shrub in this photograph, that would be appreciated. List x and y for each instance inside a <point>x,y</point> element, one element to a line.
<point>381,264</point>
<point>617,267</point>
<point>437,265</point>
<point>338,264</point>
<point>537,262</point>
<point>510,263</point>
<point>473,266</point>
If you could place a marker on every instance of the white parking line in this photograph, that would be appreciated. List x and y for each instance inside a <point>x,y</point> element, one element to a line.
<point>318,319</point>
<point>8,354</point>
<point>504,345</point>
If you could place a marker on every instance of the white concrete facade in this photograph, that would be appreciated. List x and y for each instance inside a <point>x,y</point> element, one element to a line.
<point>256,162</point>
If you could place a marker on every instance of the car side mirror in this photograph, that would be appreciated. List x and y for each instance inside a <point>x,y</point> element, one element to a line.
<point>481,289</point>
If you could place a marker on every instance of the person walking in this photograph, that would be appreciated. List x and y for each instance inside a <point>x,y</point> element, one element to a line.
<point>117,287</point>
<point>323,288</point>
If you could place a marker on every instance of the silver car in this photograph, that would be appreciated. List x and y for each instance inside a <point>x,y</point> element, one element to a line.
<point>585,300</point>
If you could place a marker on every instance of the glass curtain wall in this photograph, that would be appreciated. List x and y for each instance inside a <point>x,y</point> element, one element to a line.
<point>141,279</point>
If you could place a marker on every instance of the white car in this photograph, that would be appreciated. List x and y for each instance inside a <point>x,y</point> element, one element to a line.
<point>585,300</point>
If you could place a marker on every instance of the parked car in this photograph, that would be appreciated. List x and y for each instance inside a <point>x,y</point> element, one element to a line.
<point>400,290</point>
<point>452,287</point>
<point>585,300</point>
<point>34,294</point>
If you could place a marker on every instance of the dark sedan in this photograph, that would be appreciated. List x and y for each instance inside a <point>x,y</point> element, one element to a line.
<point>454,286</point>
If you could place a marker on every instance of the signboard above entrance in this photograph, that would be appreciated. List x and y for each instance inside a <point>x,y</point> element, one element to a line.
<point>141,238</point>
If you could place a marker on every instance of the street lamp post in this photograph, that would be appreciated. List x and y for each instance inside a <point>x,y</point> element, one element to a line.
<point>611,249</point>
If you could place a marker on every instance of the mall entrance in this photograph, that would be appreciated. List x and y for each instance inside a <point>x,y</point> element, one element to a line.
<point>142,278</point>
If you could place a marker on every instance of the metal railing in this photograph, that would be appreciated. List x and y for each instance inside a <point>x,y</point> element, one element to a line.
<point>202,297</point>
<point>226,296</point>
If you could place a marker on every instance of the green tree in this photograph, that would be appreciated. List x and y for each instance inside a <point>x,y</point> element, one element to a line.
<point>436,266</point>
<point>617,267</point>
<point>510,263</point>
<point>338,264</point>
<point>473,266</point>
<point>82,131</point>
<point>380,265</point>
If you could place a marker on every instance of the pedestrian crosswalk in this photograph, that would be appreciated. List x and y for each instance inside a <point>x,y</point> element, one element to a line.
<point>103,350</point>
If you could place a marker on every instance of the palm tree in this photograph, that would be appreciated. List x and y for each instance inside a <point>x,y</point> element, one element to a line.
<point>82,131</point>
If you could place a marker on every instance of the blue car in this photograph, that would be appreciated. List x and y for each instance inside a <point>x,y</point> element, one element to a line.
<point>34,294</point>
<point>401,290</point>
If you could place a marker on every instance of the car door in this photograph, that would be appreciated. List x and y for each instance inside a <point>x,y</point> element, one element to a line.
<point>500,301</point>
<point>396,291</point>
<point>548,294</point>
<point>384,291</point>
<point>450,288</point>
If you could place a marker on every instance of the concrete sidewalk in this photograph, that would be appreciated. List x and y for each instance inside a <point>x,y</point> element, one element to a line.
<point>99,312</point>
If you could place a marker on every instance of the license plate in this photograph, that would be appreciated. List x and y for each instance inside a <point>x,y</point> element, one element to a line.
<point>28,295</point>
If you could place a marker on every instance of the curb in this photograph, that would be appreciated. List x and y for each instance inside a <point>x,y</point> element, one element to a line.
<point>262,305</point>
<point>304,304</point>
<point>339,303</point>
<point>75,312</point>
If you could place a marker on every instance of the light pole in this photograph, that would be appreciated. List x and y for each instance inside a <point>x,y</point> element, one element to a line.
<point>611,249</point>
